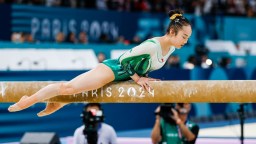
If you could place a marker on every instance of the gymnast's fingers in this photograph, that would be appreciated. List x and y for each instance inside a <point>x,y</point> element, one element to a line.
<point>149,87</point>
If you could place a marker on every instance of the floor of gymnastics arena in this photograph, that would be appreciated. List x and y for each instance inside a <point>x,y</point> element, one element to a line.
<point>224,132</point>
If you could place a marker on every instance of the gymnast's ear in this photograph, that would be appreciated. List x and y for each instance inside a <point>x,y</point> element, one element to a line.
<point>172,32</point>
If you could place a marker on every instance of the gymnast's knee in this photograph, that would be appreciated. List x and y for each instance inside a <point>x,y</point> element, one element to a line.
<point>66,89</point>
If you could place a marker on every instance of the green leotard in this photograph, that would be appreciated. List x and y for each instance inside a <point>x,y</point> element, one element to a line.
<point>141,59</point>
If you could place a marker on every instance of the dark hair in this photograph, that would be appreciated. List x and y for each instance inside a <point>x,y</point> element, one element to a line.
<point>92,104</point>
<point>180,104</point>
<point>177,21</point>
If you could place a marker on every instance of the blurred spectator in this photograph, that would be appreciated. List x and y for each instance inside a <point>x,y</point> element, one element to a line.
<point>119,5</point>
<point>231,8</point>
<point>104,38</point>
<point>125,5</point>
<point>235,7</point>
<point>59,37</point>
<point>89,3</point>
<point>30,2</point>
<point>83,39</point>
<point>101,4</point>
<point>240,63</point>
<point>225,62</point>
<point>136,40</point>
<point>29,38</point>
<point>160,5</point>
<point>206,62</point>
<point>15,37</point>
<point>140,5</point>
<point>173,62</point>
<point>190,63</point>
<point>69,3</point>
<point>201,52</point>
<point>18,37</point>
<point>250,12</point>
<point>53,3</point>
<point>71,38</point>
<point>122,40</point>
<point>101,57</point>
<point>197,7</point>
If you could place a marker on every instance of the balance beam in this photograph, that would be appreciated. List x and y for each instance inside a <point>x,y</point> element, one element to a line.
<point>242,91</point>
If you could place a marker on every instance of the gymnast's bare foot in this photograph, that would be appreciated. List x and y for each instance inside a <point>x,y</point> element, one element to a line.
<point>51,108</point>
<point>23,103</point>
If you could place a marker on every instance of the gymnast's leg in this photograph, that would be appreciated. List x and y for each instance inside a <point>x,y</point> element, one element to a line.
<point>93,79</point>
<point>51,108</point>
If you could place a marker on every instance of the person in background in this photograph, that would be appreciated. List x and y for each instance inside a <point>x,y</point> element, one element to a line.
<point>71,38</point>
<point>190,63</point>
<point>83,39</point>
<point>172,125</point>
<point>59,38</point>
<point>101,57</point>
<point>173,62</point>
<point>94,130</point>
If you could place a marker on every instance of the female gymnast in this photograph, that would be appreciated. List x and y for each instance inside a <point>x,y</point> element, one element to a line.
<point>133,64</point>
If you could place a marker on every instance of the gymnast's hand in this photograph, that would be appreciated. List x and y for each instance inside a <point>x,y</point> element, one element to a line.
<point>144,83</point>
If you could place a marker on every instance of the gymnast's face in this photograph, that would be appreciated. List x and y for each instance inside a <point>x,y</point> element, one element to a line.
<point>182,36</point>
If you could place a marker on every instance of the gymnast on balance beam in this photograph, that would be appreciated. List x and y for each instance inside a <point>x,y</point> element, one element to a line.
<point>134,64</point>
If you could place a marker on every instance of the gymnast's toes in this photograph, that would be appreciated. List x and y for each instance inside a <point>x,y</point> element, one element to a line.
<point>14,108</point>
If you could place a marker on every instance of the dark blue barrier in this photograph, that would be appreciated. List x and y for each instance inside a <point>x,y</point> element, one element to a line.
<point>218,74</point>
<point>249,71</point>
<point>171,74</point>
<point>253,76</point>
<point>200,74</point>
<point>218,108</point>
<point>236,74</point>
<point>5,18</point>
<point>130,116</point>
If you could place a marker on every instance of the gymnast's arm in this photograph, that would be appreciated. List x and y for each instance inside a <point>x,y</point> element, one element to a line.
<point>142,51</point>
